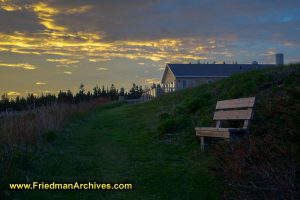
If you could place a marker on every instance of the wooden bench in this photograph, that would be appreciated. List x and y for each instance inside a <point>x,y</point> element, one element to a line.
<point>234,109</point>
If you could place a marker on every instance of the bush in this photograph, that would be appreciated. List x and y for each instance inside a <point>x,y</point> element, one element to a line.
<point>172,124</point>
<point>167,126</point>
<point>193,105</point>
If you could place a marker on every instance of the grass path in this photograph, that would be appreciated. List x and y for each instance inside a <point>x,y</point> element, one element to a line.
<point>116,143</point>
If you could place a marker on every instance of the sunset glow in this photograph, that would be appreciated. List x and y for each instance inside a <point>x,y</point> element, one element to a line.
<point>40,39</point>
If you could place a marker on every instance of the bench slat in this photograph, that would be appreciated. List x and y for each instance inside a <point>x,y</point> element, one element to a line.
<point>236,103</point>
<point>212,133</point>
<point>211,129</point>
<point>233,115</point>
<point>220,129</point>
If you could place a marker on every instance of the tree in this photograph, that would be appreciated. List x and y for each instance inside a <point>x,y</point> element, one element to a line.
<point>122,92</point>
<point>81,89</point>
<point>113,92</point>
<point>135,92</point>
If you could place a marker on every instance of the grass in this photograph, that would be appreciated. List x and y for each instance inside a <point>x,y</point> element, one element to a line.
<point>25,133</point>
<point>112,145</point>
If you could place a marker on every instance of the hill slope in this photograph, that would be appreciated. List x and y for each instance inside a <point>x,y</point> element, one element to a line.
<point>152,145</point>
<point>115,144</point>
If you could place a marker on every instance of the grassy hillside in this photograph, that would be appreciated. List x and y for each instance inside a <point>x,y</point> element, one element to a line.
<point>153,145</point>
<point>116,143</point>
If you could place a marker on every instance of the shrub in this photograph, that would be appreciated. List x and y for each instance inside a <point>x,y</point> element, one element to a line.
<point>167,126</point>
<point>193,105</point>
<point>172,124</point>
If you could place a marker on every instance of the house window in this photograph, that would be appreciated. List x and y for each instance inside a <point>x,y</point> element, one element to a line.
<point>184,83</point>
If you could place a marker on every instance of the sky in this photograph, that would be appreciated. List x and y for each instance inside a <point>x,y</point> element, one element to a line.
<point>52,45</point>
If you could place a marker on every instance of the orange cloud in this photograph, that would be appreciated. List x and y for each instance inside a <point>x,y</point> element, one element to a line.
<point>88,46</point>
<point>12,93</point>
<point>152,80</point>
<point>24,66</point>
<point>63,61</point>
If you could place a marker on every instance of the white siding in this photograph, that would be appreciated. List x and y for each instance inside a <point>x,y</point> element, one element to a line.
<point>193,82</point>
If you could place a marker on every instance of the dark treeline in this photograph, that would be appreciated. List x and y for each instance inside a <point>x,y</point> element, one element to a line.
<point>32,101</point>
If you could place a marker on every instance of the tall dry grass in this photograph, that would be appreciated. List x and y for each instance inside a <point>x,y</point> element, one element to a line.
<point>21,133</point>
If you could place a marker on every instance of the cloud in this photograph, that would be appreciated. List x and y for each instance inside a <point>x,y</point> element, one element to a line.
<point>66,66</point>
<point>289,44</point>
<point>63,61</point>
<point>22,22</point>
<point>124,33</point>
<point>152,80</point>
<point>102,69</point>
<point>99,59</point>
<point>40,83</point>
<point>46,13</point>
<point>24,66</point>
<point>12,93</point>
<point>174,19</point>
<point>10,7</point>
<point>270,52</point>
<point>4,49</point>
<point>162,19</point>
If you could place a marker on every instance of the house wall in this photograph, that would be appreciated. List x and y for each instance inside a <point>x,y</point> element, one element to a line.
<point>169,77</point>
<point>182,83</point>
<point>170,83</point>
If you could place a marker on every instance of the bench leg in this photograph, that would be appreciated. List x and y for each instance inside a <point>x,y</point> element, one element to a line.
<point>202,144</point>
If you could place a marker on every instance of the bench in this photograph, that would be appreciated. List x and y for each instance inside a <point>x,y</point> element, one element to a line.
<point>234,109</point>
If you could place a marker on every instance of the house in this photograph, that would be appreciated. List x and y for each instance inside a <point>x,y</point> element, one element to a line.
<point>180,76</point>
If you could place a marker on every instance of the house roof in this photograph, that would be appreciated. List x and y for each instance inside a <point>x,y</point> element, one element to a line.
<point>211,70</point>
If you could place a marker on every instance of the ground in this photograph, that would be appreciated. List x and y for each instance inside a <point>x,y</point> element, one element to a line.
<point>118,143</point>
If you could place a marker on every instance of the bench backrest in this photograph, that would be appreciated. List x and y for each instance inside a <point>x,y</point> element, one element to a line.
<point>235,109</point>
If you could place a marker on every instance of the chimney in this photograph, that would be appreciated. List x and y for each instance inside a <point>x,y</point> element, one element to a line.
<point>279,59</point>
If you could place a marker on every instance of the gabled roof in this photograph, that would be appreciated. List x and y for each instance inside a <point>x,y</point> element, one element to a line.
<point>211,70</point>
